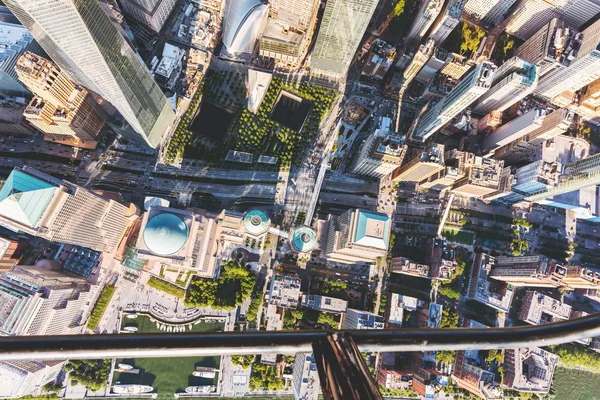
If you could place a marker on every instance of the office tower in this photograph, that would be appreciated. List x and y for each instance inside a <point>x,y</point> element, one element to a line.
<point>14,41</point>
<point>584,102</point>
<point>60,109</point>
<point>531,178</point>
<point>357,236</point>
<point>40,301</point>
<point>359,319</point>
<point>379,155</point>
<point>422,165</point>
<point>469,89</point>
<point>583,69</point>
<point>300,10</point>
<point>342,27</point>
<point>529,370</point>
<point>12,121</point>
<point>88,46</point>
<point>40,205</point>
<point>427,14</point>
<point>488,11</point>
<point>456,66</point>
<point>484,178</point>
<point>379,60</point>
<point>10,252</point>
<point>526,146</point>
<point>438,60</point>
<point>551,47</point>
<point>512,81</point>
<point>243,21</point>
<point>305,377</point>
<point>530,15</point>
<point>420,58</point>
<point>513,130</point>
<point>27,378</point>
<point>576,175</point>
<point>447,21</point>
<point>152,13</point>
<point>288,32</point>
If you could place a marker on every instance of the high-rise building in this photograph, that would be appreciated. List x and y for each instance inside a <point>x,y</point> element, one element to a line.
<point>538,308</point>
<point>550,48</point>
<point>525,147</point>
<point>531,178</point>
<point>423,165</point>
<point>152,13</point>
<point>357,236</point>
<point>513,130</point>
<point>10,252</point>
<point>447,20</point>
<point>469,89</point>
<point>359,319</point>
<point>512,81</point>
<point>438,60</point>
<point>530,15</point>
<point>584,102</point>
<point>488,11</point>
<point>342,27</point>
<point>427,14</point>
<point>89,47</point>
<point>529,370</point>
<point>288,32</point>
<point>380,155</point>
<point>305,377</point>
<point>581,71</point>
<point>27,378</point>
<point>484,178</point>
<point>41,205</point>
<point>14,41</point>
<point>12,121</point>
<point>40,301</point>
<point>60,109</point>
<point>243,22</point>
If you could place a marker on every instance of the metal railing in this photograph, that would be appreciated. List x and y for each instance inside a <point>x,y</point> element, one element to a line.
<point>291,342</point>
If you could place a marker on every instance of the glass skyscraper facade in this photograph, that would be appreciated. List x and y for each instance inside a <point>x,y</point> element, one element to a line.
<point>342,28</point>
<point>81,38</point>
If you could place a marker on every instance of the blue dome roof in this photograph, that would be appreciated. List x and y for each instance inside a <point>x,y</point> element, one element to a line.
<point>256,222</point>
<point>165,234</point>
<point>303,239</point>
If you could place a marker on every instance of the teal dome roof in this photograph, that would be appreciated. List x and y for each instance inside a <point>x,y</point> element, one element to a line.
<point>256,222</point>
<point>165,234</point>
<point>303,239</point>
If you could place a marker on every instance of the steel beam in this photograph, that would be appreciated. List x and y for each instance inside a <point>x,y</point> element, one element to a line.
<point>290,342</point>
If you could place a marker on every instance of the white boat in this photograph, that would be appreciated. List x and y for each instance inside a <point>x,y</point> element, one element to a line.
<point>131,389</point>
<point>201,389</point>
<point>131,316</point>
<point>124,366</point>
<point>130,328</point>
<point>204,374</point>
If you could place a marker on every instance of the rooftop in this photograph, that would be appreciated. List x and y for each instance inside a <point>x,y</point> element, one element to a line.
<point>303,239</point>
<point>165,234</point>
<point>285,291</point>
<point>24,198</point>
<point>538,309</point>
<point>372,229</point>
<point>256,222</point>
<point>324,303</point>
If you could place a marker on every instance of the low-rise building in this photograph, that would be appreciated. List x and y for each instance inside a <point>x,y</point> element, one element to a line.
<point>284,291</point>
<point>359,319</point>
<point>10,252</point>
<point>27,378</point>
<point>398,304</point>
<point>305,377</point>
<point>324,303</point>
<point>537,308</point>
<point>166,72</point>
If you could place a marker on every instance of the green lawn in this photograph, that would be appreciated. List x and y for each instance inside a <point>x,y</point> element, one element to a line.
<point>145,325</point>
<point>463,237</point>
<point>168,375</point>
<point>572,384</point>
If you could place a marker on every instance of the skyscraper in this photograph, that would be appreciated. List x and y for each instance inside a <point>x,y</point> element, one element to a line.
<point>513,130</point>
<point>423,165</point>
<point>60,109</point>
<point>583,69</point>
<point>152,13</point>
<point>512,81</point>
<point>342,28</point>
<point>81,38</point>
<point>40,205</point>
<point>447,21</point>
<point>428,12</point>
<point>488,11</point>
<point>469,89</point>
<point>380,154</point>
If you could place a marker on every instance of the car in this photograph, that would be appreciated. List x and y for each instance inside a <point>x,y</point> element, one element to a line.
<point>12,149</point>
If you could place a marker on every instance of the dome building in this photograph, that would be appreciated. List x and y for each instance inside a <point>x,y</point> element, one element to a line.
<point>169,236</point>
<point>256,223</point>
<point>243,22</point>
<point>303,239</point>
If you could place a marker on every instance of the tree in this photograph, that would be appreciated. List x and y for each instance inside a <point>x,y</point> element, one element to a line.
<point>328,319</point>
<point>445,356</point>
<point>471,37</point>
<point>449,319</point>
<point>93,374</point>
